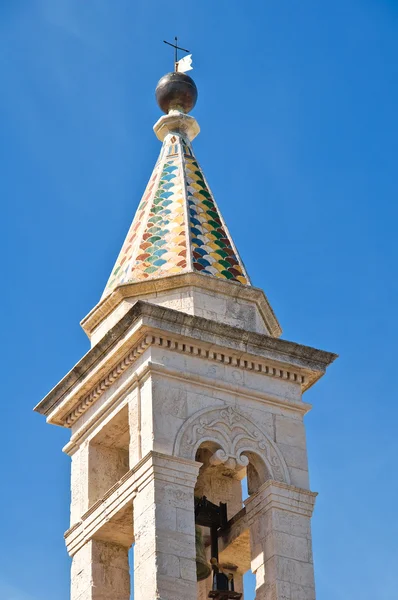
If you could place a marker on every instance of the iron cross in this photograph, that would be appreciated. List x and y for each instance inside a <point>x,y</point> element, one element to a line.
<point>175,51</point>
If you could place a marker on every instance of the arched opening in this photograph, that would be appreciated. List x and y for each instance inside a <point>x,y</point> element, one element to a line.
<point>257,472</point>
<point>230,480</point>
<point>237,458</point>
<point>219,483</point>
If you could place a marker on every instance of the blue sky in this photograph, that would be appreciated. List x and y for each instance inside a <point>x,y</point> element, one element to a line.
<point>298,110</point>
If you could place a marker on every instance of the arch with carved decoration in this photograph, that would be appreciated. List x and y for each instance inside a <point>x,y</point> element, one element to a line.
<point>237,442</point>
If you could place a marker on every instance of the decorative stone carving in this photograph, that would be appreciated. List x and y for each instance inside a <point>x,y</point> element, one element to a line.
<point>235,436</point>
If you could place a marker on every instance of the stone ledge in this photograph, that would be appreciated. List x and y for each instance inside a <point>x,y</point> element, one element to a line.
<point>145,324</point>
<point>276,495</point>
<point>140,289</point>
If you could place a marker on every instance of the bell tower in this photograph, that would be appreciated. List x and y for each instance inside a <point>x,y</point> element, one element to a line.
<point>186,391</point>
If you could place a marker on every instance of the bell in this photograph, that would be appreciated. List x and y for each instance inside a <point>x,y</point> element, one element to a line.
<point>203,568</point>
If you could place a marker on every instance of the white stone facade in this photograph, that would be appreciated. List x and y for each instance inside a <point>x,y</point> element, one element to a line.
<point>186,391</point>
<point>169,405</point>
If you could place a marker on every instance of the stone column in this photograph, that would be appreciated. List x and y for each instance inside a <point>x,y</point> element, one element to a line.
<point>164,529</point>
<point>280,538</point>
<point>100,571</point>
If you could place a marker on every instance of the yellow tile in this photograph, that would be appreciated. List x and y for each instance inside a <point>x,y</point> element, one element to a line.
<point>242,279</point>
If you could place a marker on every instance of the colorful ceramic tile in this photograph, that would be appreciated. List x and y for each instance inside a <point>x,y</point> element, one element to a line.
<point>212,248</point>
<point>160,242</point>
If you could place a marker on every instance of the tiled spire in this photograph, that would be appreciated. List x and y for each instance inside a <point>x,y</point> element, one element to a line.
<point>177,227</point>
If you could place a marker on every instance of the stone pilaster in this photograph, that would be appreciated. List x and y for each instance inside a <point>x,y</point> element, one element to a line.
<point>164,529</point>
<point>100,571</point>
<point>280,537</point>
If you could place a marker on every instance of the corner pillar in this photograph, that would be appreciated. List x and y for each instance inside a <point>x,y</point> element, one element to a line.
<point>280,538</point>
<point>100,571</point>
<point>164,529</point>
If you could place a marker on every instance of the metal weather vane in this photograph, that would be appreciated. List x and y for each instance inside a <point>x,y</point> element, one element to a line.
<point>185,63</point>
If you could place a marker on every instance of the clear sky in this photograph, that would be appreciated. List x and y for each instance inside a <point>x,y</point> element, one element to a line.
<point>298,109</point>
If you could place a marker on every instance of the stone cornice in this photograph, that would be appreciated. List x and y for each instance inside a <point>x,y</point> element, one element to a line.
<point>107,381</point>
<point>147,324</point>
<point>149,368</point>
<point>154,286</point>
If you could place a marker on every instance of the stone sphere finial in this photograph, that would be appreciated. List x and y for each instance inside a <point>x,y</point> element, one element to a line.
<point>176,91</point>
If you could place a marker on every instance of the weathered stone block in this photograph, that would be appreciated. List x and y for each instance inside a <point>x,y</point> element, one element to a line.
<point>100,571</point>
<point>188,569</point>
<point>287,545</point>
<point>290,432</point>
<point>290,523</point>
<point>294,571</point>
<point>299,478</point>
<point>185,520</point>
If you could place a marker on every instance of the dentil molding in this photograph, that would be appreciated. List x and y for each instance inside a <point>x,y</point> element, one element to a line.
<point>261,367</point>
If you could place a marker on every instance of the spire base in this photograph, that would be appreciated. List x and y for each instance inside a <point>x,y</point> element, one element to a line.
<point>176,122</point>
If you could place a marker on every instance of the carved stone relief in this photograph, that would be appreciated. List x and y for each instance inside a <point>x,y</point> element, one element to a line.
<point>235,436</point>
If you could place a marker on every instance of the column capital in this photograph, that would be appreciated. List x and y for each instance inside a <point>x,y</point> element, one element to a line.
<point>168,468</point>
<point>276,495</point>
